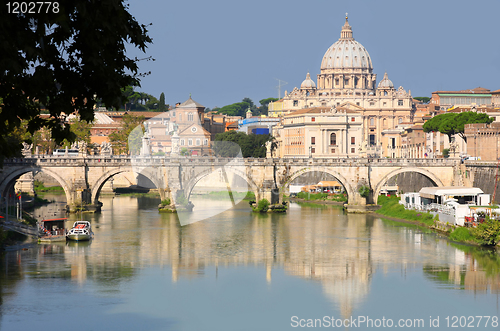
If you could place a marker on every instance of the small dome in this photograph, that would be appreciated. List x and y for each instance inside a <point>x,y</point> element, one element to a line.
<point>385,82</point>
<point>308,83</point>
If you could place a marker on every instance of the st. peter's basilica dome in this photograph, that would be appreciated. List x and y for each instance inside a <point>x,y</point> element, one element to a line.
<point>346,53</point>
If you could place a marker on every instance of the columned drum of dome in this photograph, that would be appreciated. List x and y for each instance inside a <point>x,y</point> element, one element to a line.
<point>346,66</point>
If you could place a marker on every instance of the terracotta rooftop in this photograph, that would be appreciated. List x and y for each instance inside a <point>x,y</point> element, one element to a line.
<point>477,90</point>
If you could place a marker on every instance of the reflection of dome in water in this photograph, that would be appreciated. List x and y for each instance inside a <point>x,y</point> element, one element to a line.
<point>346,294</point>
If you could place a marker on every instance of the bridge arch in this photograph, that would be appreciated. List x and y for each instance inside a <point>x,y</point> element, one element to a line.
<point>337,175</point>
<point>193,181</point>
<point>11,177</point>
<point>97,186</point>
<point>421,171</point>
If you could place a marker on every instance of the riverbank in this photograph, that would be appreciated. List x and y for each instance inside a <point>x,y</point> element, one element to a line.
<point>319,202</point>
<point>391,209</point>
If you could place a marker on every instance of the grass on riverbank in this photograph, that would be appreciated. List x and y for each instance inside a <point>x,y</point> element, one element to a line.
<point>40,187</point>
<point>137,194</point>
<point>392,208</point>
<point>342,197</point>
<point>485,234</point>
<point>224,195</point>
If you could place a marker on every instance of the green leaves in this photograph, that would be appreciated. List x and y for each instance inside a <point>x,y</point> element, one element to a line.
<point>129,138</point>
<point>65,61</point>
<point>364,191</point>
<point>488,232</point>
<point>229,143</point>
<point>454,123</point>
<point>240,108</point>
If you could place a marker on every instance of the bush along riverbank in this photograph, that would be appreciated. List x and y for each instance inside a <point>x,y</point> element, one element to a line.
<point>485,234</point>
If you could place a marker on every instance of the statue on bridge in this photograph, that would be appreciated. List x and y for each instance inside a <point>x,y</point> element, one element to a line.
<point>26,151</point>
<point>106,148</point>
<point>146,148</point>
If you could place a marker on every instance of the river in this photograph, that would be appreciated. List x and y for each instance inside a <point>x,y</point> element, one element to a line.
<point>313,266</point>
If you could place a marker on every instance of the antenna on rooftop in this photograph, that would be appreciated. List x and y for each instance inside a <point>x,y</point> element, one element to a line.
<point>280,84</point>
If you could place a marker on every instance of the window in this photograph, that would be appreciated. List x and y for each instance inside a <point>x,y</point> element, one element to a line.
<point>357,103</point>
<point>313,150</point>
<point>205,142</point>
<point>180,117</point>
<point>295,103</point>
<point>333,139</point>
<point>353,119</point>
<point>333,150</point>
<point>400,120</point>
<point>353,150</point>
<point>353,140</point>
<point>182,142</point>
<point>313,119</point>
<point>400,102</point>
<point>372,140</point>
<point>372,121</point>
<point>190,117</point>
<point>198,142</point>
<point>313,140</point>
<point>173,114</point>
<point>190,142</point>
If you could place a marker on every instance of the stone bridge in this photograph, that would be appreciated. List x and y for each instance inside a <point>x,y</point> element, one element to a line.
<point>82,178</point>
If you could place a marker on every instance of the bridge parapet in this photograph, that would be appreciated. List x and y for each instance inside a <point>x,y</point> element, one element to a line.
<point>156,160</point>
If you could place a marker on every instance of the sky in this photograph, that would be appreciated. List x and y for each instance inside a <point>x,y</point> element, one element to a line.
<point>221,51</point>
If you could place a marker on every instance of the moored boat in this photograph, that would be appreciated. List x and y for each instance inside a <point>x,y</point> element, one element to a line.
<point>80,231</point>
<point>52,230</point>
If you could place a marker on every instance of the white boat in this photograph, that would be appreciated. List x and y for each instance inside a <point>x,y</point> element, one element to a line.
<point>80,231</point>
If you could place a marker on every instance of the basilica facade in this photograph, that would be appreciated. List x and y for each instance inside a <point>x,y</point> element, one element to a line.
<point>346,81</point>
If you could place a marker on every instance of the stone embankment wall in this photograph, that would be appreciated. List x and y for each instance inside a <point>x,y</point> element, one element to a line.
<point>482,175</point>
<point>407,181</point>
<point>410,182</point>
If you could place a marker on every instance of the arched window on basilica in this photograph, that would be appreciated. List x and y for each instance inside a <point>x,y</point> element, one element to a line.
<point>372,121</point>
<point>190,117</point>
<point>333,139</point>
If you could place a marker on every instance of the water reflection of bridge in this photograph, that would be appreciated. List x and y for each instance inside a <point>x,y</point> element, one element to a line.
<point>340,252</point>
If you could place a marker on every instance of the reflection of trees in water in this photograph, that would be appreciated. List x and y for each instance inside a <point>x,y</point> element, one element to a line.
<point>341,252</point>
<point>480,271</point>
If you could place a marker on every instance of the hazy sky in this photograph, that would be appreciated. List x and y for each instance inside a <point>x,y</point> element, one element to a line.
<point>221,51</point>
